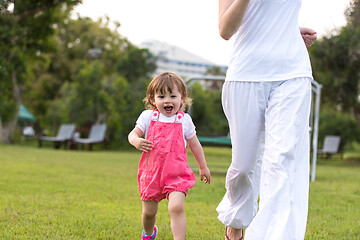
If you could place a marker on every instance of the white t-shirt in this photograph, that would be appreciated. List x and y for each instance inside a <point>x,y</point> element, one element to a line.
<point>265,50</point>
<point>143,123</point>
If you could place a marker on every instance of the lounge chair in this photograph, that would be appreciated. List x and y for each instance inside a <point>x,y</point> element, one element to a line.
<point>64,135</point>
<point>96,135</point>
<point>331,146</point>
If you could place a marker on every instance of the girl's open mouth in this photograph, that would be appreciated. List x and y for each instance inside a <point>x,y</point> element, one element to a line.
<point>168,108</point>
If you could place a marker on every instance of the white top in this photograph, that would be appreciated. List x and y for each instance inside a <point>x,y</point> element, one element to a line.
<point>143,123</point>
<point>265,50</point>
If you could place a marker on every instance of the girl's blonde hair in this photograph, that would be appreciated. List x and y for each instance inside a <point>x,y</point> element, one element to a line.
<point>164,82</point>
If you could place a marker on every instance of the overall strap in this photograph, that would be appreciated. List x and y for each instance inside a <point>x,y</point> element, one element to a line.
<point>155,115</point>
<point>179,117</point>
<point>154,118</point>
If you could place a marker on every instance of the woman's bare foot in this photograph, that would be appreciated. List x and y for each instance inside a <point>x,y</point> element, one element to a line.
<point>234,233</point>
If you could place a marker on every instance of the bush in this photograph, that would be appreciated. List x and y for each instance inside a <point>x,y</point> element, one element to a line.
<point>207,112</point>
<point>332,122</point>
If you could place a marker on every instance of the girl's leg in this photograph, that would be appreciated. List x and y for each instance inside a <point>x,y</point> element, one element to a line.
<point>177,215</point>
<point>149,210</point>
<point>244,104</point>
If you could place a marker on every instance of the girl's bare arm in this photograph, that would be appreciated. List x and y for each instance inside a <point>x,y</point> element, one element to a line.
<point>199,155</point>
<point>137,141</point>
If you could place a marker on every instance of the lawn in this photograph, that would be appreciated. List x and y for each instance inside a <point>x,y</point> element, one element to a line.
<point>64,194</point>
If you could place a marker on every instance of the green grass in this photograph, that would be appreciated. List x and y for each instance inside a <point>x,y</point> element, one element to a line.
<point>65,194</point>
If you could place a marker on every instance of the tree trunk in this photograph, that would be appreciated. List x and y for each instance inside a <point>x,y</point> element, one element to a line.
<point>356,113</point>
<point>7,129</point>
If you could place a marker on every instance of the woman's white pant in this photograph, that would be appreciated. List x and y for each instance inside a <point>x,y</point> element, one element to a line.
<point>269,129</point>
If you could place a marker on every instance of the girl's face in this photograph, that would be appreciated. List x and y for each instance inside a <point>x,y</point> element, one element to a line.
<point>168,103</point>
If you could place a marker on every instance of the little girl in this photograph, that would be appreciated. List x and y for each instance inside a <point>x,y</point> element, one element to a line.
<point>163,168</point>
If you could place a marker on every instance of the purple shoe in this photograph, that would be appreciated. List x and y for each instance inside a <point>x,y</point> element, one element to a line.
<point>144,236</point>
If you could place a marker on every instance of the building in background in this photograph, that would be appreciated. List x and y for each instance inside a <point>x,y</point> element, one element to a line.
<point>177,60</point>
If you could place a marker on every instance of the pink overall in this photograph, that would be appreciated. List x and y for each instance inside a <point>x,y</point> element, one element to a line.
<point>165,169</point>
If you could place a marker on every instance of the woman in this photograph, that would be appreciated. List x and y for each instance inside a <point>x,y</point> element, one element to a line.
<point>266,99</point>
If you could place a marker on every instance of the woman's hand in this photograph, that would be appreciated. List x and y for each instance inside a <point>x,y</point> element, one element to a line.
<point>308,35</point>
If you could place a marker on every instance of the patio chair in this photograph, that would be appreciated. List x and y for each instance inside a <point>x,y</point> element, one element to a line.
<point>331,146</point>
<point>96,135</point>
<point>64,135</point>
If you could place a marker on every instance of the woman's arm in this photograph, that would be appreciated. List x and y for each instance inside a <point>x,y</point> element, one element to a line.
<point>198,153</point>
<point>231,14</point>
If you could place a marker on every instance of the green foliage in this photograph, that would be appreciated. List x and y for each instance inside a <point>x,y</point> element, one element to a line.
<point>333,122</point>
<point>207,113</point>
<point>132,59</point>
<point>336,64</point>
<point>216,71</point>
<point>118,88</point>
<point>88,79</point>
<point>89,102</point>
<point>24,32</point>
<point>125,105</point>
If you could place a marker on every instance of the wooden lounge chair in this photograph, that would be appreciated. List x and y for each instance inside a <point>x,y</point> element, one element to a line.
<point>64,135</point>
<point>331,146</point>
<point>96,135</point>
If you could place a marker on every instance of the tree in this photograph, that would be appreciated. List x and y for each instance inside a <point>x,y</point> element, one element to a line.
<point>94,75</point>
<point>336,64</point>
<point>207,112</point>
<point>26,31</point>
<point>215,71</point>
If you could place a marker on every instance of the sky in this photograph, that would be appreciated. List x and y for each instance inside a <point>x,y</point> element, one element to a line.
<point>193,24</point>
